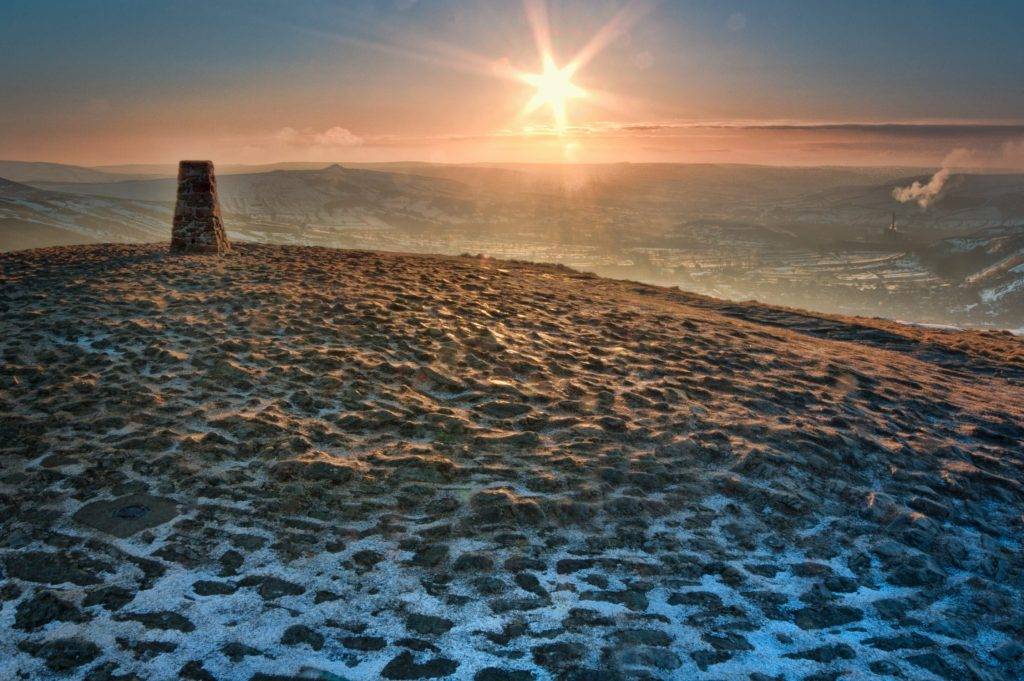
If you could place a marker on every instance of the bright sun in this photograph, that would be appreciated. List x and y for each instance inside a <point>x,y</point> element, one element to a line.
<point>554,88</point>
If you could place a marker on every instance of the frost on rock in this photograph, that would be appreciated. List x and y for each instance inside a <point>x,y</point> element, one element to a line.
<point>305,463</point>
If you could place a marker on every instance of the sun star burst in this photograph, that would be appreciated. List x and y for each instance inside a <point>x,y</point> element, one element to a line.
<point>554,87</point>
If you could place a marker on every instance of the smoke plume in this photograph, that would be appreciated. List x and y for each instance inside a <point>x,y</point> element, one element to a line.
<point>925,195</point>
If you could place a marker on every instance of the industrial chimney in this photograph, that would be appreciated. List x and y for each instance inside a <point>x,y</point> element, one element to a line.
<point>197,226</point>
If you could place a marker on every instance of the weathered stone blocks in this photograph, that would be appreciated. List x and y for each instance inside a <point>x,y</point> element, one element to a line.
<point>198,227</point>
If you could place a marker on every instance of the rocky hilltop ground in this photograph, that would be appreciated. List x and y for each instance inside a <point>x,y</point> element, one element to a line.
<point>308,463</point>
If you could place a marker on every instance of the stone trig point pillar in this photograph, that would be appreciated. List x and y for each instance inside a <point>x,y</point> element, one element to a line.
<point>197,227</point>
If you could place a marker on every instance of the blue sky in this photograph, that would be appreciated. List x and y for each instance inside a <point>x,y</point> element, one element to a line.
<point>262,80</point>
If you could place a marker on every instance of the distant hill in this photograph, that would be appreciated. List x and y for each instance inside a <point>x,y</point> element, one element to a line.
<point>297,190</point>
<point>316,206</point>
<point>30,171</point>
<point>33,218</point>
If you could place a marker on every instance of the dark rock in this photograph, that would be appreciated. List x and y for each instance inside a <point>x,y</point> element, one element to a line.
<point>163,620</point>
<point>646,637</point>
<point>473,561</point>
<point>911,641</point>
<point>366,558</point>
<point>826,615</point>
<point>364,643</point>
<point>730,641</point>
<point>502,506</point>
<point>509,632</point>
<point>46,567</point>
<point>569,565</point>
<point>645,656</point>
<point>810,569</point>
<point>236,651</point>
<point>194,671</point>
<point>147,650</point>
<point>403,666</point>
<point>428,625</point>
<point>325,597</point>
<point>298,634</point>
<point>559,656</point>
<point>929,507</point>
<point>63,654</point>
<point>529,582</point>
<point>109,597</point>
<point>502,605</point>
<point>840,584</point>
<point>936,665</point>
<point>585,618</point>
<point>205,587</point>
<point>9,591</point>
<point>107,671</point>
<point>891,608</point>
<point>521,563</point>
<point>430,556</point>
<point>702,599</point>
<point>42,608</point>
<point>489,585</point>
<point>270,587</point>
<point>886,668</point>
<point>230,562</point>
<point>827,675</point>
<point>631,598</point>
<point>825,654</point>
<point>498,674</point>
<point>916,576</point>
<point>1008,652</point>
<point>181,552</point>
<point>314,470</point>
<point>504,409</point>
<point>707,658</point>
<point>762,569</point>
<point>248,542</point>
<point>417,644</point>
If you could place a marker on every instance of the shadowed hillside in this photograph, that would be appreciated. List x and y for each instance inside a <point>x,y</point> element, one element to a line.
<point>302,461</point>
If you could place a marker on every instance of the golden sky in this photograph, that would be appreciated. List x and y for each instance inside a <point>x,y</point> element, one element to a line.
<point>113,81</point>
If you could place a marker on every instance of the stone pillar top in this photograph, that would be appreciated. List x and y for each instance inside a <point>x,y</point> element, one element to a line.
<point>195,166</point>
<point>198,227</point>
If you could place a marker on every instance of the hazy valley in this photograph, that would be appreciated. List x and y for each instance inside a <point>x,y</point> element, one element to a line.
<point>814,238</point>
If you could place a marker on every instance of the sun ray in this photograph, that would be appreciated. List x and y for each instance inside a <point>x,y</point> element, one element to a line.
<point>623,20</point>
<point>537,16</point>
<point>554,86</point>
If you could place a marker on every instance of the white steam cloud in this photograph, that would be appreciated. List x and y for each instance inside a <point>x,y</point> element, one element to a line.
<point>925,195</point>
<point>922,194</point>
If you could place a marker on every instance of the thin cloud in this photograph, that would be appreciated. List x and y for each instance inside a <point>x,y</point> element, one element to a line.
<point>308,137</point>
<point>889,129</point>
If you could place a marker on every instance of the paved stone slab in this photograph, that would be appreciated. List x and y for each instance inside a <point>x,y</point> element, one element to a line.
<point>124,516</point>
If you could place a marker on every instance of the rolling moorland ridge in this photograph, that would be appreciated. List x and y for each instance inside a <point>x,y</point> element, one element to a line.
<point>299,462</point>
